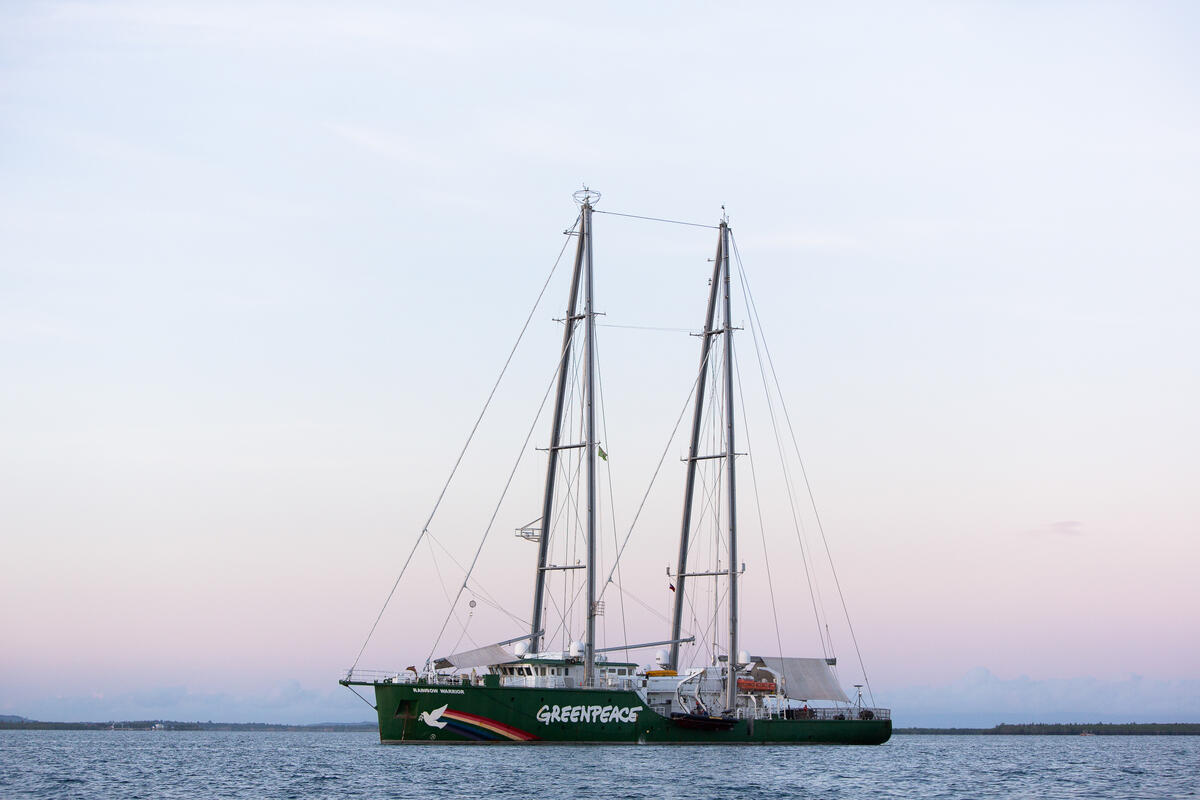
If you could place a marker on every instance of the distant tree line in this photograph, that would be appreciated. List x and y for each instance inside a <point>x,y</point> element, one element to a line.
<point>171,725</point>
<point>1069,729</point>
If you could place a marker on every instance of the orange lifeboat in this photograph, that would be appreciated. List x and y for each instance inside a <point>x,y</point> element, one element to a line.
<point>747,685</point>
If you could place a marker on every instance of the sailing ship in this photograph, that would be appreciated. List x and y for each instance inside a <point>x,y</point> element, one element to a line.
<point>527,690</point>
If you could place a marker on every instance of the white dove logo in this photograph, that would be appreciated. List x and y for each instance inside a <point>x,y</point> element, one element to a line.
<point>434,719</point>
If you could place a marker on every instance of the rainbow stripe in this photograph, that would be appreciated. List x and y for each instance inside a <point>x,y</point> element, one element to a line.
<point>482,729</point>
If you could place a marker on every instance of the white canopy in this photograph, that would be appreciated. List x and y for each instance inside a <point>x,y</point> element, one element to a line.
<point>806,678</point>
<point>480,657</point>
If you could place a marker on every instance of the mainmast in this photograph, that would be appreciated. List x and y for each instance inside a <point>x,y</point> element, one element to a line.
<point>689,489</point>
<point>731,499</point>
<point>719,285</point>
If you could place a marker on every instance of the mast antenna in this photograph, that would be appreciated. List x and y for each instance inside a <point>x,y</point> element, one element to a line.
<point>588,197</point>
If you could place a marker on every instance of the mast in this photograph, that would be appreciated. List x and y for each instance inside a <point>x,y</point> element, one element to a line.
<point>720,283</point>
<point>582,273</point>
<point>690,485</point>
<point>539,590</point>
<point>731,679</point>
<point>589,652</point>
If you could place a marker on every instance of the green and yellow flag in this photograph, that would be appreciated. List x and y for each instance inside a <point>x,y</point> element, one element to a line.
<point>601,452</point>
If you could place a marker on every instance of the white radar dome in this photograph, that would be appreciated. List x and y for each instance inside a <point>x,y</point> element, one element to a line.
<point>576,649</point>
<point>521,649</point>
<point>660,657</point>
<point>743,657</point>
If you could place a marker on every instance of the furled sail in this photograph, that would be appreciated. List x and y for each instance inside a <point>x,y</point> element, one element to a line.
<point>480,657</point>
<point>806,678</point>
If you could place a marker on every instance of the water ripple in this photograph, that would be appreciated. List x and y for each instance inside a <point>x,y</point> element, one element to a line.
<point>129,764</point>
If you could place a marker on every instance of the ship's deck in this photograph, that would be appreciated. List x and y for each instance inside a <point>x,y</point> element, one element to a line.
<point>777,709</point>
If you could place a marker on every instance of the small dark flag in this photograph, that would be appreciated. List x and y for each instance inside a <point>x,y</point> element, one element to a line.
<point>672,586</point>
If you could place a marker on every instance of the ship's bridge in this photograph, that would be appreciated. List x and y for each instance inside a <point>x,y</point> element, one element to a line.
<point>562,671</point>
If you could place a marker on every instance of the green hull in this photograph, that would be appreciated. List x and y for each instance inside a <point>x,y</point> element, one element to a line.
<point>413,713</point>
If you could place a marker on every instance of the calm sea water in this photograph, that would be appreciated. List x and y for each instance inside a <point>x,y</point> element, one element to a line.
<point>86,764</point>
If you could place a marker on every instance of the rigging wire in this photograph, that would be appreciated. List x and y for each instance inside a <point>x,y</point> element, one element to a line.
<point>654,219</point>
<point>716,498</point>
<point>611,502</point>
<point>711,625</point>
<point>758,507</point>
<point>626,593</point>
<point>438,570</point>
<point>487,403</point>
<point>809,569</point>
<point>495,511</point>
<point>569,476</point>
<point>695,626</point>
<point>803,471</point>
<point>478,589</point>
<point>642,327</point>
<point>709,502</point>
<point>562,619</point>
<point>566,500</point>
<point>471,639</point>
<point>653,477</point>
<point>710,505</point>
<point>578,539</point>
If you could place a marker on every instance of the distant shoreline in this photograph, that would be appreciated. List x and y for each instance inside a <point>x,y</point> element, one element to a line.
<point>1006,729</point>
<point>1067,729</point>
<point>171,725</point>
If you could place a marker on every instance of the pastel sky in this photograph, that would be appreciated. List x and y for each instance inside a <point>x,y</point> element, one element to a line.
<point>261,262</point>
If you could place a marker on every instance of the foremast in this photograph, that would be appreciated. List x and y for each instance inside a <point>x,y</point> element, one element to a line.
<point>582,274</point>
<point>589,389</point>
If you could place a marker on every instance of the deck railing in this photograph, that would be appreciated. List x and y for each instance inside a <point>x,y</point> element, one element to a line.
<point>611,683</point>
<point>844,713</point>
<point>367,676</point>
<point>619,682</point>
